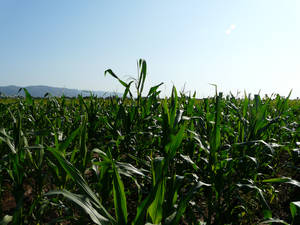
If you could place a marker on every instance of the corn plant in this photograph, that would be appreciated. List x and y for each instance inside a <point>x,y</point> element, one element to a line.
<point>140,159</point>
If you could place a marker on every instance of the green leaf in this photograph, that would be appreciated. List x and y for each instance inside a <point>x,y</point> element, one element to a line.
<point>127,86</point>
<point>274,221</point>
<point>188,160</point>
<point>154,88</point>
<point>295,208</point>
<point>142,76</point>
<point>119,198</point>
<point>7,139</point>
<point>6,220</point>
<point>156,208</point>
<point>127,90</point>
<point>143,207</point>
<point>253,159</point>
<point>63,146</point>
<point>83,141</point>
<point>267,214</point>
<point>101,153</point>
<point>259,191</point>
<point>215,137</point>
<point>128,170</point>
<point>84,203</point>
<point>173,109</point>
<point>286,180</point>
<point>175,142</point>
<point>79,180</point>
<point>109,71</point>
<point>28,97</point>
<point>175,218</point>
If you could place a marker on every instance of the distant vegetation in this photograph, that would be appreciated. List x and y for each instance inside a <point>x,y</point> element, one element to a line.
<point>147,160</point>
<point>41,91</point>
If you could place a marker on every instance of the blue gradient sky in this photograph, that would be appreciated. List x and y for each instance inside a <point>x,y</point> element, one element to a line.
<point>238,45</point>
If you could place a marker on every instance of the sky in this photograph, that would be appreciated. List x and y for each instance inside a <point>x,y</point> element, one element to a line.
<point>251,46</point>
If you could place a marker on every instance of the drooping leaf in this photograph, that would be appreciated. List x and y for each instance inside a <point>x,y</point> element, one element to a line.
<point>295,208</point>
<point>84,203</point>
<point>286,180</point>
<point>259,191</point>
<point>79,180</point>
<point>6,220</point>
<point>271,220</point>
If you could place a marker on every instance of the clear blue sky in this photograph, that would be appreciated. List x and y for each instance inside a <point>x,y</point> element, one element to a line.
<point>247,45</point>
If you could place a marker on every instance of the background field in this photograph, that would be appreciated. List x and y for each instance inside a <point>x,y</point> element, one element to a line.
<point>142,159</point>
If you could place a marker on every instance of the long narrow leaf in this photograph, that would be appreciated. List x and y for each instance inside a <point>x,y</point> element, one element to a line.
<point>84,203</point>
<point>79,180</point>
<point>119,198</point>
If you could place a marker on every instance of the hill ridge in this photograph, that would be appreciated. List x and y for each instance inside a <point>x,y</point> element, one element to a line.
<point>40,91</point>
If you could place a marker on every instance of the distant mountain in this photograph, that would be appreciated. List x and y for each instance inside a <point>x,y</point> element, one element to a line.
<point>40,91</point>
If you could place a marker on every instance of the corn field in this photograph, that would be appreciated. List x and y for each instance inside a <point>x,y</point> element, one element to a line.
<point>140,159</point>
